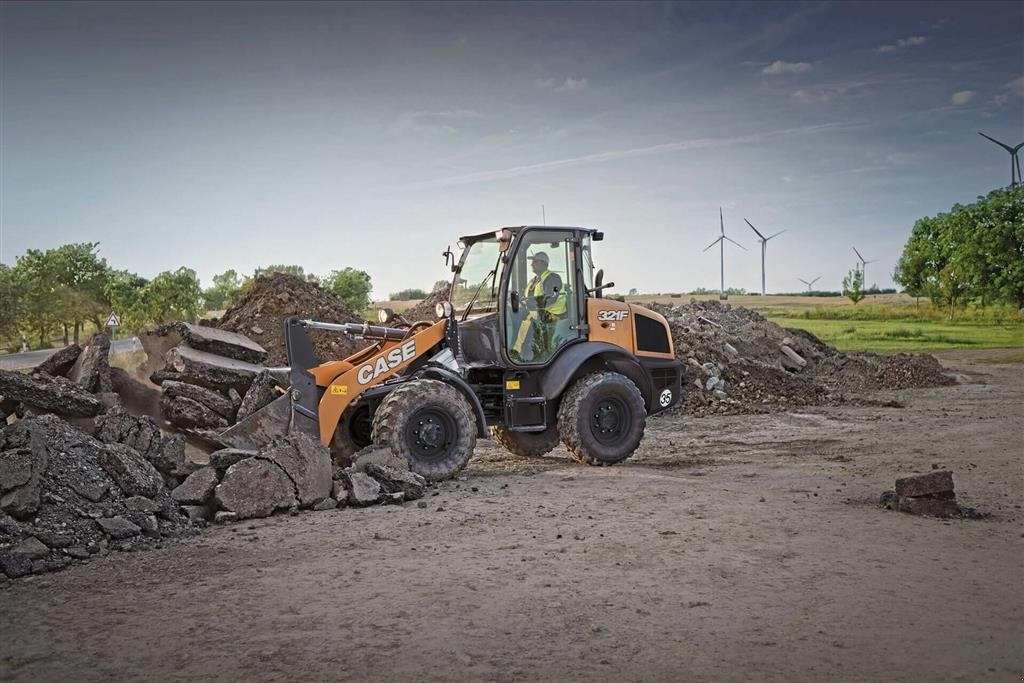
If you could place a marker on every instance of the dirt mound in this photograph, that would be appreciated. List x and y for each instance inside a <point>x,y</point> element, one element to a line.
<point>261,312</point>
<point>738,361</point>
<point>424,310</point>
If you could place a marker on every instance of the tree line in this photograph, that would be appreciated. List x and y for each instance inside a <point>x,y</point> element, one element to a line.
<point>59,293</point>
<point>972,253</point>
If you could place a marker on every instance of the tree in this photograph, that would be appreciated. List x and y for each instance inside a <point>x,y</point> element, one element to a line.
<point>81,275</point>
<point>351,286</point>
<point>225,290</point>
<point>297,271</point>
<point>440,286</point>
<point>42,305</point>
<point>632,291</point>
<point>174,295</point>
<point>12,291</point>
<point>853,285</point>
<point>407,295</point>
<point>126,293</point>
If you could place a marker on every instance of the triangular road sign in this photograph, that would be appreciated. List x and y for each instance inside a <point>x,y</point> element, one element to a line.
<point>113,320</point>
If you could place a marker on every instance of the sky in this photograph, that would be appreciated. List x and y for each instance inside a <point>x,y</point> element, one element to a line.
<point>373,135</point>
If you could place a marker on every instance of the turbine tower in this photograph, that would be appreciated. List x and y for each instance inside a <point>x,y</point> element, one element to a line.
<point>863,266</point>
<point>721,250</point>
<point>809,283</point>
<point>1015,176</point>
<point>764,245</point>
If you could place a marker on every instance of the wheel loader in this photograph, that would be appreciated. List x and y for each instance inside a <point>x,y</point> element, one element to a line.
<point>525,345</point>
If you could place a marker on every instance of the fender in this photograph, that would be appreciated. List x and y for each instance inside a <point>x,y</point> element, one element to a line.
<point>449,377</point>
<point>562,371</point>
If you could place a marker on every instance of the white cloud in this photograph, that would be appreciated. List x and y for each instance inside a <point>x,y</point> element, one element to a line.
<point>826,93</point>
<point>568,85</point>
<point>1016,86</point>
<point>1000,100</point>
<point>902,43</point>
<point>779,68</point>
<point>431,121</point>
<point>962,97</point>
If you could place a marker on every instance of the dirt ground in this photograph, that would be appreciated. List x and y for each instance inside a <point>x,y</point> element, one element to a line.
<point>729,548</point>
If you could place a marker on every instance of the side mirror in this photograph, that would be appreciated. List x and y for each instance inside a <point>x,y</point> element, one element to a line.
<point>513,301</point>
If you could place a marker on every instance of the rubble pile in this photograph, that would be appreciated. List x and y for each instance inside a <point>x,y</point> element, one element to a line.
<point>931,495</point>
<point>737,361</point>
<point>271,299</point>
<point>424,310</point>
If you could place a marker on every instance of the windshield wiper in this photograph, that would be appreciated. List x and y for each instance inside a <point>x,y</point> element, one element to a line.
<point>483,282</point>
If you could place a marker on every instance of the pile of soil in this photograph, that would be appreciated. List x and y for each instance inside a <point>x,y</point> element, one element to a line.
<point>738,361</point>
<point>424,310</point>
<point>272,298</point>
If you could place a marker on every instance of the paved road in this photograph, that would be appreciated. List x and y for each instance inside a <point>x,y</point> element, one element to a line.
<point>30,359</point>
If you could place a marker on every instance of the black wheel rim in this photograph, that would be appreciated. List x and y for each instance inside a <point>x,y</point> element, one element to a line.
<point>430,433</point>
<point>610,420</point>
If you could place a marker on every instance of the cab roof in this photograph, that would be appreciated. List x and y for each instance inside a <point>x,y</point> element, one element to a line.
<point>516,229</point>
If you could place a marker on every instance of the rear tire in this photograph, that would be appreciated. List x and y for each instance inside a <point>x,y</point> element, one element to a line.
<point>601,419</point>
<point>353,434</point>
<point>527,444</point>
<point>428,423</point>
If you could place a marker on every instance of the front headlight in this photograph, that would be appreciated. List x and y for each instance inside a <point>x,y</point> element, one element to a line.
<point>443,309</point>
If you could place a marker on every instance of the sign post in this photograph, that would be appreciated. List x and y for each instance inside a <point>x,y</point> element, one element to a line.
<point>113,322</point>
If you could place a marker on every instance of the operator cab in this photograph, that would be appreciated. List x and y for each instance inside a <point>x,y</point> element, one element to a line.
<point>501,324</point>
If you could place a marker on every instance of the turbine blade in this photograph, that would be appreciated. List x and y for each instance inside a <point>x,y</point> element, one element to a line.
<point>721,221</point>
<point>804,281</point>
<point>858,254</point>
<point>754,229</point>
<point>1006,147</point>
<point>1018,147</point>
<point>867,262</point>
<point>713,243</point>
<point>735,242</point>
<point>815,280</point>
<point>775,235</point>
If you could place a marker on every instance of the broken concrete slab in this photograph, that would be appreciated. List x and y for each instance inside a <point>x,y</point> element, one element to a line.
<point>20,495</point>
<point>930,507</point>
<point>930,484</point>
<point>118,528</point>
<point>363,490</point>
<point>187,413</point>
<point>91,370</point>
<point>213,400</point>
<point>15,566</point>
<point>210,370</point>
<point>166,453</point>
<point>198,513</point>
<point>262,391</point>
<point>325,504</point>
<point>381,455</point>
<point>223,343</point>
<point>226,457</point>
<point>197,488</point>
<point>132,473</point>
<point>255,487</point>
<point>30,547</point>
<point>49,394</point>
<point>393,480</point>
<point>307,463</point>
<point>60,363</point>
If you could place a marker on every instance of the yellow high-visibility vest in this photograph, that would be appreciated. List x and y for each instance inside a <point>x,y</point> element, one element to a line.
<point>556,307</point>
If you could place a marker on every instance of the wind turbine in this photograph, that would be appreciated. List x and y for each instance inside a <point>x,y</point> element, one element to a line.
<point>721,250</point>
<point>809,284</point>
<point>1015,176</point>
<point>764,245</point>
<point>863,266</point>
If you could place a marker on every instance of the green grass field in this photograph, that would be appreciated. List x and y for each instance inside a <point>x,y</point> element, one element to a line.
<point>904,335</point>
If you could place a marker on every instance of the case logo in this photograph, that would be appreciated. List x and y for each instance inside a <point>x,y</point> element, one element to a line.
<point>394,358</point>
<point>612,316</point>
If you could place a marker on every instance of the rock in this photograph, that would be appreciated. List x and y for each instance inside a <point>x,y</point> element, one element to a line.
<point>92,491</point>
<point>710,384</point>
<point>60,363</point>
<point>15,566</point>
<point>226,457</point>
<point>720,395</point>
<point>363,489</point>
<point>307,463</point>
<point>325,504</point>
<point>235,398</point>
<point>338,490</point>
<point>149,526</point>
<point>49,394</point>
<point>166,453</point>
<point>255,487</point>
<point>889,500</point>
<point>118,528</point>
<point>188,413</point>
<point>198,513</point>
<point>31,547</point>
<point>197,487</point>
<point>91,370</point>
<point>141,504</point>
<point>77,552</point>
<point>393,480</point>
<point>53,539</point>
<point>223,343</point>
<point>381,455</point>
<point>213,400</point>
<point>161,376</point>
<point>935,482</point>
<point>211,371</point>
<point>224,517</point>
<point>931,507</point>
<point>19,494</point>
<point>396,498</point>
<point>730,349</point>
<point>795,358</point>
<point>135,475</point>
<point>262,391</point>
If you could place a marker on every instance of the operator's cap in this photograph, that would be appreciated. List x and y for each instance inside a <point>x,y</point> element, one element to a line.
<point>541,256</point>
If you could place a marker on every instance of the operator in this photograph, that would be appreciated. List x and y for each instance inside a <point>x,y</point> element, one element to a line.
<point>545,303</point>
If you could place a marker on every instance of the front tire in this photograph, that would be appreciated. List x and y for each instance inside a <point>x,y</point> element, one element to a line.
<point>353,434</point>
<point>526,444</point>
<point>601,419</point>
<point>428,423</point>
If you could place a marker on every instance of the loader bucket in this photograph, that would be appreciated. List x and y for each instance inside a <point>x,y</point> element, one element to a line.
<point>278,418</point>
